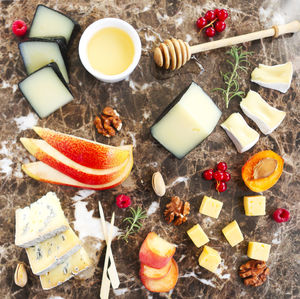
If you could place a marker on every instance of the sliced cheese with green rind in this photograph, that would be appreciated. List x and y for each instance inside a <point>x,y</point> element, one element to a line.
<point>48,254</point>
<point>75,264</point>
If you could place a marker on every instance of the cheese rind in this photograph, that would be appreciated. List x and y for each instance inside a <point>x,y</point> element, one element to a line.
<point>255,205</point>
<point>188,122</point>
<point>40,221</point>
<point>276,77</point>
<point>232,233</point>
<point>258,251</point>
<point>75,264</point>
<point>243,136</point>
<point>210,207</point>
<point>46,255</point>
<point>265,116</point>
<point>209,259</point>
<point>197,235</point>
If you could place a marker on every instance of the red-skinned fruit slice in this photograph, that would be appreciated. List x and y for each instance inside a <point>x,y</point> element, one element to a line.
<point>44,173</point>
<point>50,156</point>
<point>85,152</point>
<point>165,284</point>
<point>154,273</point>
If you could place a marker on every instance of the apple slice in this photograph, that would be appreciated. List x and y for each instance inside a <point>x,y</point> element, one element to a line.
<point>155,252</point>
<point>165,284</point>
<point>83,151</point>
<point>43,172</point>
<point>154,273</point>
<point>49,155</point>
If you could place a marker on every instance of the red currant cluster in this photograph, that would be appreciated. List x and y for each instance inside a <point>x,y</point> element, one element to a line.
<point>213,21</point>
<point>220,175</point>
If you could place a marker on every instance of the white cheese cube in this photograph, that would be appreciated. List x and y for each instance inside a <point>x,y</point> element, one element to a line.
<point>276,77</point>
<point>188,122</point>
<point>243,136</point>
<point>75,264</point>
<point>40,221</point>
<point>45,91</point>
<point>46,255</point>
<point>265,116</point>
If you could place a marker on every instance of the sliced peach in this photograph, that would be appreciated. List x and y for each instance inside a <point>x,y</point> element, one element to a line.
<point>49,155</point>
<point>44,173</point>
<point>83,151</point>
<point>165,284</point>
<point>156,252</point>
<point>154,273</point>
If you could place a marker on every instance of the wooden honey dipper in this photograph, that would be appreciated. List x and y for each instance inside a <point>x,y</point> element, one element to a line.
<point>174,53</point>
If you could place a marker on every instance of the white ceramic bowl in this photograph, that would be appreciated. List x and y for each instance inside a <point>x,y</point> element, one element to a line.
<point>95,27</point>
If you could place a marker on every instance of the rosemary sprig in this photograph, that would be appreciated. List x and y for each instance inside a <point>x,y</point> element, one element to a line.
<point>134,221</point>
<point>231,78</point>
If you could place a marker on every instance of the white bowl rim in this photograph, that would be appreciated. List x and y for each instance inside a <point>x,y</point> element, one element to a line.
<point>96,26</point>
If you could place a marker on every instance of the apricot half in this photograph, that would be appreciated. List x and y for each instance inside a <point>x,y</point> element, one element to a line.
<point>262,171</point>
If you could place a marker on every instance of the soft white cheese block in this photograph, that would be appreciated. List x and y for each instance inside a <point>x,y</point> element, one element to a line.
<point>75,264</point>
<point>46,255</point>
<point>243,136</point>
<point>40,221</point>
<point>188,122</point>
<point>37,54</point>
<point>276,77</point>
<point>265,116</point>
<point>48,22</point>
<point>45,91</point>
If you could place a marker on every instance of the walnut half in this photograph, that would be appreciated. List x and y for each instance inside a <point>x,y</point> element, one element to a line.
<point>176,210</point>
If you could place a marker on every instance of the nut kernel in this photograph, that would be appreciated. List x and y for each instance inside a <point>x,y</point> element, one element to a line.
<point>158,184</point>
<point>21,275</point>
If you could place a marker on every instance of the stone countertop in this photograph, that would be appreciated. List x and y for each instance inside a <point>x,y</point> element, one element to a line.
<point>140,100</point>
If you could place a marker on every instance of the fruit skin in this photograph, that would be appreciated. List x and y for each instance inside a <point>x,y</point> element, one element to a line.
<point>210,32</point>
<point>221,186</point>
<point>154,273</point>
<point>218,175</point>
<point>123,201</point>
<point>220,26</point>
<point>201,22</point>
<point>226,177</point>
<point>262,184</point>
<point>208,174</point>
<point>49,155</point>
<point>222,166</point>
<point>151,256</point>
<point>84,152</point>
<point>222,15</point>
<point>281,215</point>
<point>210,15</point>
<point>19,28</point>
<point>164,284</point>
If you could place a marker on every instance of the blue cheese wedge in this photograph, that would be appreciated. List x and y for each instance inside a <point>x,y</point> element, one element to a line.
<point>243,136</point>
<point>265,116</point>
<point>40,221</point>
<point>276,77</point>
<point>48,254</point>
<point>75,264</point>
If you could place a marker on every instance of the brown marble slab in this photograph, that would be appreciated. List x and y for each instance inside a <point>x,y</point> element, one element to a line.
<point>140,100</point>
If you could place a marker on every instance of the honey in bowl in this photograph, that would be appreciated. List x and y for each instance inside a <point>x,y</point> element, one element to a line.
<point>110,51</point>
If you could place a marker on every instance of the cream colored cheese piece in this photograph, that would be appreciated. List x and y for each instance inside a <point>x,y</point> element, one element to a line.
<point>265,116</point>
<point>75,264</point>
<point>258,251</point>
<point>209,259</point>
<point>197,235</point>
<point>243,136</point>
<point>48,254</point>
<point>276,77</point>
<point>232,233</point>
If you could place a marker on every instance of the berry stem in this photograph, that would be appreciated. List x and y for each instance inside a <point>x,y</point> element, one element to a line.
<point>207,25</point>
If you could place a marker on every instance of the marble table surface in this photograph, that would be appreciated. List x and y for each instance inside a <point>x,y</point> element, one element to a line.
<point>140,99</point>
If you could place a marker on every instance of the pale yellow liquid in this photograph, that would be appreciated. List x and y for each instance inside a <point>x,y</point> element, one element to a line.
<point>110,51</point>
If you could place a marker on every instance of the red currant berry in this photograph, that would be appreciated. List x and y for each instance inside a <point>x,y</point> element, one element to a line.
<point>218,175</point>
<point>216,11</point>
<point>221,186</point>
<point>123,201</point>
<point>281,215</point>
<point>226,177</point>
<point>201,22</point>
<point>208,174</point>
<point>19,28</point>
<point>210,15</point>
<point>210,31</point>
<point>222,15</point>
<point>222,166</point>
<point>220,26</point>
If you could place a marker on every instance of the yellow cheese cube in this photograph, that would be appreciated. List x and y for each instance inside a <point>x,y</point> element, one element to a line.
<point>233,233</point>
<point>197,235</point>
<point>258,251</point>
<point>255,205</point>
<point>210,207</point>
<point>209,259</point>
